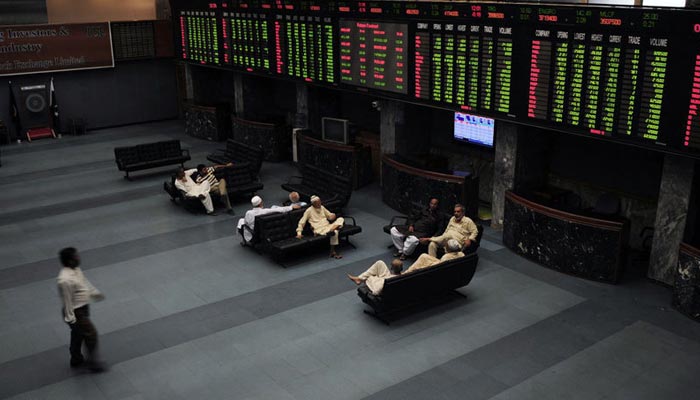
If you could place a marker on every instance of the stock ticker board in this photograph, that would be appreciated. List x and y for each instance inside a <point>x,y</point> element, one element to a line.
<point>630,75</point>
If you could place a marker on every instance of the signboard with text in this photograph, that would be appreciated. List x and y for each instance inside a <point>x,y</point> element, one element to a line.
<point>27,49</point>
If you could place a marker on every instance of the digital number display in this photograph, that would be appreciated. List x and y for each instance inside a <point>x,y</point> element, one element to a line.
<point>628,75</point>
<point>374,55</point>
<point>692,128</point>
<point>199,37</point>
<point>464,65</point>
<point>247,41</point>
<point>304,48</point>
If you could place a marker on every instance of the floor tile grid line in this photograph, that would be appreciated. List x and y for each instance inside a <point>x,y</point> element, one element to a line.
<point>198,154</point>
<point>530,342</point>
<point>646,306</point>
<point>119,252</point>
<point>92,137</point>
<point>82,204</point>
<point>155,335</point>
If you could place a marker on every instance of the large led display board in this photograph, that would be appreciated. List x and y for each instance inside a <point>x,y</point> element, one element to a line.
<point>631,75</point>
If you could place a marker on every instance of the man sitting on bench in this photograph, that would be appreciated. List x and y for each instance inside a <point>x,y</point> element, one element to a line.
<point>423,223</point>
<point>375,275</point>
<point>460,228</point>
<point>217,186</point>
<point>453,250</point>
<point>185,183</point>
<point>258,209</point>
<point>323,222</point>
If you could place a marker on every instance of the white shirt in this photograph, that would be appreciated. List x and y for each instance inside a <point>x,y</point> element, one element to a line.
<point>75,291</point>
<point>188,184</point>
<point>250,215</point>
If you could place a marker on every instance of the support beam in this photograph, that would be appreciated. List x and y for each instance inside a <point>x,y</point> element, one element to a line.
<point>671,212</point>
<point>189,83</point>
<point>391,116</point>
<point>238,95</point>
<point>504,169</point>
<point>301,119</point>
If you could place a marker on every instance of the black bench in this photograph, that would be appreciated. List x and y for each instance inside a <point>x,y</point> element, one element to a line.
<point>275,234</point>
<point>239,181</point>
<point>149,155</point>
<point>419,288</point>
<point>316,181</point>
<point>401,220</point>
<point>238,152</point>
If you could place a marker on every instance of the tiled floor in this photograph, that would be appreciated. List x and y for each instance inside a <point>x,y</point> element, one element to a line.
<point>190,314</point>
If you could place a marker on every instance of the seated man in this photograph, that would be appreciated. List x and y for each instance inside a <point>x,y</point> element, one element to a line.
<point>375,275</point>
<point>217,186</point>
<point>421,224</point>
<point>184,183</point>
<point>453,250</point>
<point>258,209</point>
<point>323,222</point>
<point>460,228</point>
<point>294,200</point>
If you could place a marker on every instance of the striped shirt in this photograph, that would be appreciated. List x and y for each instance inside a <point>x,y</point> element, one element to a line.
<point>208,176</point>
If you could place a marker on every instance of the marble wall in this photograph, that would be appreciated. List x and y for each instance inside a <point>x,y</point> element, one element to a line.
<point>208,123</point>
<point>275,140</point>
<point>404,190</point>
<point>686,289</point>
<point>351,161</point>
<point>571,247</point>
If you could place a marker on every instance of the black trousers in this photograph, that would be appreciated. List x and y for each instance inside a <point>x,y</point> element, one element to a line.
<point>82,331</point>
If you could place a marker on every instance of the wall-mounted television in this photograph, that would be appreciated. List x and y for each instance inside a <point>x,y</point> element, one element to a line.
<point>335,130</point>
<point>474,129</point>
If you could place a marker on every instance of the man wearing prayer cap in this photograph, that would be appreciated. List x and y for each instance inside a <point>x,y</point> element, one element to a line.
<point>323,222</point>
<point>258,209</point>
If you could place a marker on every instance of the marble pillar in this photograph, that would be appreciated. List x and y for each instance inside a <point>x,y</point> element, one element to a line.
<point>301,119</point>
<point>390,124</point>
<point>189,82</point>
<point>671,212</point>
<point>503,169</point>
<point>239,95</point>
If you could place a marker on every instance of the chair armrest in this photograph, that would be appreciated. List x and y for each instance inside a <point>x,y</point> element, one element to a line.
<point>346,217</point>
<point>246,228</point>
<point>398,217</point>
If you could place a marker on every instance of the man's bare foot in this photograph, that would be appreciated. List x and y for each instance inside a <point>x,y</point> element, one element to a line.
<point>355,279</point>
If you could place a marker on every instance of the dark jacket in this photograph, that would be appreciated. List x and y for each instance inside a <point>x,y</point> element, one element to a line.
<point>425,223</point>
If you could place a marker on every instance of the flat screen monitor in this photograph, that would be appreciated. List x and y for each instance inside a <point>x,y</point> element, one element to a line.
<point>474,129</point>
<point>335,130</point>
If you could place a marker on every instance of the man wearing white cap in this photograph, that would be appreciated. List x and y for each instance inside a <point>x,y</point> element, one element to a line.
<point>323,222</point>
<point>258,209</point>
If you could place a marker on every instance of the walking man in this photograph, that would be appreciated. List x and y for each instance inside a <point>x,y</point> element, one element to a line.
<point>76,293</point>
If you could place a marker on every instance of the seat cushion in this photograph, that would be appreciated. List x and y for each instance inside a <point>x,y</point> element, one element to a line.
<point>348,230</point>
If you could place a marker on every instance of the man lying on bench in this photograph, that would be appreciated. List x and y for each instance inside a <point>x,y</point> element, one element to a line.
<point>375,275</point>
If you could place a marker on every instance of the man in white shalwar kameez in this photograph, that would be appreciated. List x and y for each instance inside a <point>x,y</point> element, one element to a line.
<point>185,183</point>
<point>259,209</point>
<point>375,275</point>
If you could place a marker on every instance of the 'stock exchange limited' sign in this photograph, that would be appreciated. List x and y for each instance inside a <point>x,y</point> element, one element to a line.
<point>28,49</point>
